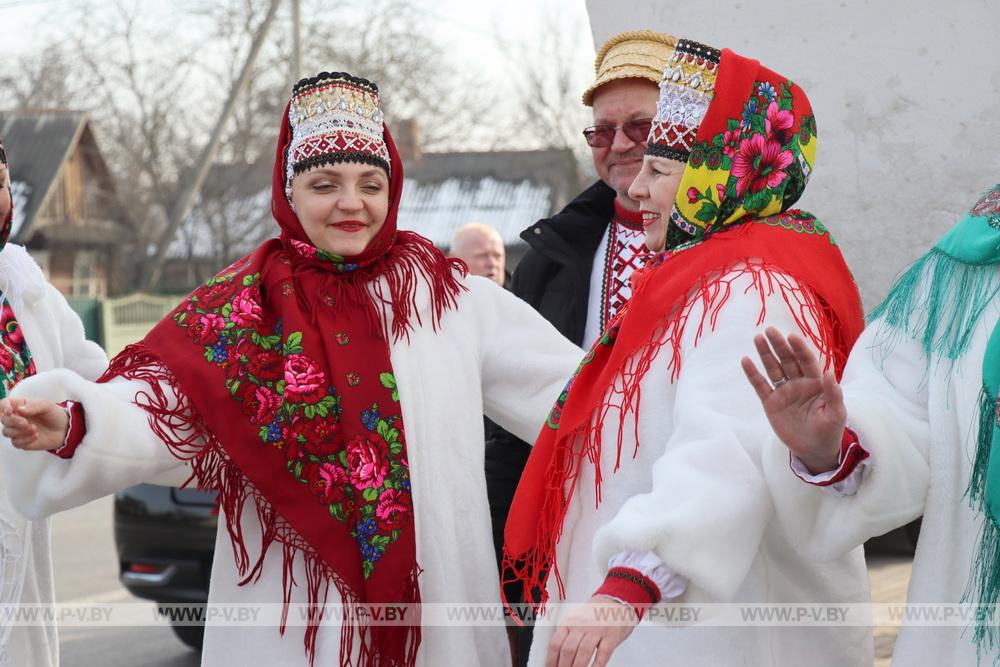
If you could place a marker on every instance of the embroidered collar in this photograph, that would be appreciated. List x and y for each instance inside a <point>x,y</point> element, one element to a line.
<point>627,218</point>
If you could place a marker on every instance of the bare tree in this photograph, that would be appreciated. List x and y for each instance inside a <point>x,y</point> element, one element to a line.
<point>550,78</point>
<point>139,104</point>
<point>40,81</point>
<point>153,107</point>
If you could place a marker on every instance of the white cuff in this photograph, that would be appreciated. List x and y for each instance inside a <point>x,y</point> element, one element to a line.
<point>845,487</point>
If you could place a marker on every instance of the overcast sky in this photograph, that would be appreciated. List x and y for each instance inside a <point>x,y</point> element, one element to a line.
<point>462,26</point>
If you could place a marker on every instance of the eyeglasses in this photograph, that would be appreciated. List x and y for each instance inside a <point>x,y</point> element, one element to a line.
<point>602,136</point>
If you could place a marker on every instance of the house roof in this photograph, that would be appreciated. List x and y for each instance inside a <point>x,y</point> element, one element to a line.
<point>231,217</point>
<point>38,144</point>
<point>509,190</point>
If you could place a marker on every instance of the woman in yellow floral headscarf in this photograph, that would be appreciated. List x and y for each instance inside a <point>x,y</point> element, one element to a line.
<point>650,459</point>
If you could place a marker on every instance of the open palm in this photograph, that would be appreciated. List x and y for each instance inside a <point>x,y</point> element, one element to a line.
<point>804,405</point>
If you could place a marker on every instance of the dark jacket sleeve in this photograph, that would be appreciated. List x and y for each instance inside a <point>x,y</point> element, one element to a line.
<point>554,278</point>
<point>505,459</point>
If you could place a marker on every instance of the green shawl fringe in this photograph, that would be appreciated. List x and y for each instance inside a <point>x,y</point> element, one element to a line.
<point>953,296</point>
<point>983,588</point>
<point>939,301</point>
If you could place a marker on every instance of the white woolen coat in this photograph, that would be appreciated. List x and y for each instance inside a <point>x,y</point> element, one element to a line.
<point>918,418</point>
<point>694,495</point>
<point>492,355</point>
<point>56,339</point>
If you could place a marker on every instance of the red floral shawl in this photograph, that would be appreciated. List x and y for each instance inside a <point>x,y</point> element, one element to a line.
<point>750,161</point>
<point>273,379</point>
<point>15,357</point>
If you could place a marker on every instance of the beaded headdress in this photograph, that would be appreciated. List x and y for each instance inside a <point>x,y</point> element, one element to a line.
<point>686,90</point>
<point>335,117</point>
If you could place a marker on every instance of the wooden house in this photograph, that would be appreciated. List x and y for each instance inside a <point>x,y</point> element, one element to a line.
<point>66,211</point>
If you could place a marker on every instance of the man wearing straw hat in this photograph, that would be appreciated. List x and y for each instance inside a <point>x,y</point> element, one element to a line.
<point>577,268</point>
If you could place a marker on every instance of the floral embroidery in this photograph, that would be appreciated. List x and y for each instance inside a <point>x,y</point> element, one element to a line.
<point>766,90</point>
<point>988,206</point>
<point>381,477</point>
<point>15,358</point>
<point>760,164</point>
<point>388,381</point>
<point>342,338</point>
<point>364,482</point>
<point>798,221</point>
<point>312,252</point>
<point>607,339</point>
<point>760,151</point>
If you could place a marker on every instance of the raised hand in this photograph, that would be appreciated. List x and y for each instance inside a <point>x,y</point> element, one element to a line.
<point>804,405</point>
<point>33,424</point>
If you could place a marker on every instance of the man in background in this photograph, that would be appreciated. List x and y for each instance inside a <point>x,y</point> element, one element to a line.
<point>481,247</point>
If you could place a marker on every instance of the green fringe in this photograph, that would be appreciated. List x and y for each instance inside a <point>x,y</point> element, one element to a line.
<point>976,492</point>
<point>947,295</point>
<point>983,588</point>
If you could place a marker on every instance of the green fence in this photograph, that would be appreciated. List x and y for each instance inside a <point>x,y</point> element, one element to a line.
<point>89,311</point>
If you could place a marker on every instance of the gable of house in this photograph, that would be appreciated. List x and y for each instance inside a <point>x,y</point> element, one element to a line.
<point>66,210</point>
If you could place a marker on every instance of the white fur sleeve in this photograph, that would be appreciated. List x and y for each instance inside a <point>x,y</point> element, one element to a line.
<point>525,361</point>
<point>118,450</point>
<point>85,357</point>
<point>708,504</point>
<point>887,408</point>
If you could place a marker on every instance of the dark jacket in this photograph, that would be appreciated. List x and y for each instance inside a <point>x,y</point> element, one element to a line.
<point>554,277</point>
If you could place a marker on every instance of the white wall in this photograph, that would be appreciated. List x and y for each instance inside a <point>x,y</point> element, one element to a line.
<point>907,103</point>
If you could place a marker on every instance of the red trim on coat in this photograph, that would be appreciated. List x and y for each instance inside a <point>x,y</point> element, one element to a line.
<point>851,455</point>
<point>631,587</point>
<point>75,432</point>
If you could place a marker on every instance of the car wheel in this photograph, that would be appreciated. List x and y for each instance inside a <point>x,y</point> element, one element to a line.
<point>191,635</point>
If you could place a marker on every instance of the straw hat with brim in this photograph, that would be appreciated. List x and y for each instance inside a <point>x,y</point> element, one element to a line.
<point>636,54</point>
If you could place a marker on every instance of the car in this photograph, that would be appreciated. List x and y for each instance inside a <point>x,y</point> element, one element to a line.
<point>900,541</point>
<point>165,538</point>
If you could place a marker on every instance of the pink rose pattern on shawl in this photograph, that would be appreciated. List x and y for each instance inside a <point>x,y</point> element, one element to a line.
<point>15,358</point>
<point>284,392</point>
<point>758,150</point>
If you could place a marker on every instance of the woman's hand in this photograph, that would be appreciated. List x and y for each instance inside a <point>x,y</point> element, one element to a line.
<point>804,405</point>
<point>587,630</point>
<point>33,423</point>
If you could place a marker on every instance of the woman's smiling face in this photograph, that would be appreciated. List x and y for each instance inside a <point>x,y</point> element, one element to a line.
<point>342,206</point>
<point>655,189</point>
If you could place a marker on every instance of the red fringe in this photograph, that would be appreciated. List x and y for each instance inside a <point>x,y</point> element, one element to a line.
<point>411,260</point>
<point>175,421</point>
<point>625,395</point>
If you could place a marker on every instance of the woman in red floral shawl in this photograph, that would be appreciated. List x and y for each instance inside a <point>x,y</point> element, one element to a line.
<point>38,331</point>
<point>645,485</point>
<point>332,383</point>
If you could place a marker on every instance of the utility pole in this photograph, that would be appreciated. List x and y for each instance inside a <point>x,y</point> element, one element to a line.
<point>185,200</point>
<point>296,42</point>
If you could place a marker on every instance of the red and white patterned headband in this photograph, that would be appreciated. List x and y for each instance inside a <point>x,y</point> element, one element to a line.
<point>335,117</point>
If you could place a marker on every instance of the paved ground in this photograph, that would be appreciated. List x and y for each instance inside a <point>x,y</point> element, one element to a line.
<point>889,576</point>
<point>86,571</point>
